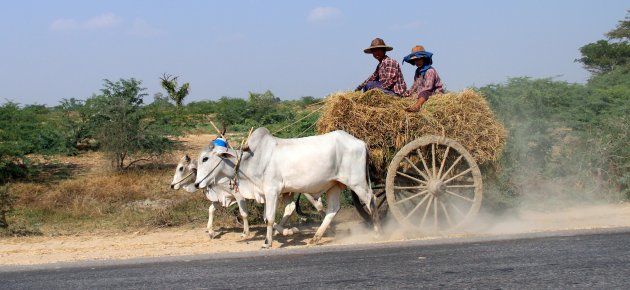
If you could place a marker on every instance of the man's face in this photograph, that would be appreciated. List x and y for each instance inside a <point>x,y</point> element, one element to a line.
<point>378,53</point>
<point>419,62</point>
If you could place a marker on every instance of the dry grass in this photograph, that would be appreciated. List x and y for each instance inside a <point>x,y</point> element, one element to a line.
<point>82,194</point>
<point>380,121</point>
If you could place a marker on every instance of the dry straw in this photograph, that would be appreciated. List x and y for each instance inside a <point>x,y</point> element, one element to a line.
<point>381,121</point>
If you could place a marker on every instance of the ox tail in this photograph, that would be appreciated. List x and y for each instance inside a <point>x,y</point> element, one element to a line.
<point>298,209</point>
<point>376,220</point>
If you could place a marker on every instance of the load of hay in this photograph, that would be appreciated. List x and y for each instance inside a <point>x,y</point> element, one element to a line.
<point>381,121</point>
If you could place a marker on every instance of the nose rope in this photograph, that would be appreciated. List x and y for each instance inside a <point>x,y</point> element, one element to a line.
<point>183,178</point>
<point>204,178</point>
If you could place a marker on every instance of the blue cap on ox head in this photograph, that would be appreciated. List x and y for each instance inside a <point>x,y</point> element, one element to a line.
<point>220,142</point>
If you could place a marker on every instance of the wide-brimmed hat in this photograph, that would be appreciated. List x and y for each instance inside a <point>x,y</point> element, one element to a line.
<point>377,43</point>
<point>417,52</point>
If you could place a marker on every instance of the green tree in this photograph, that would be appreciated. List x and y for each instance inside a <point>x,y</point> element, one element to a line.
<point>123,130</point>
<point>169,83</point>
<point>231,111</point>
<point>622,31</point>
<point>605,55</point>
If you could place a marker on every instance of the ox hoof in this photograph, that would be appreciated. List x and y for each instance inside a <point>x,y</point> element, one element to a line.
<point>295,230</point>
<point>212,235</point>
<point>314,240</point>
<point>244,235</point>
<point>287,232</point>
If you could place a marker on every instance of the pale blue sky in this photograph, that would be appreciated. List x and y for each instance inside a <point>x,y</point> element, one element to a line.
<point>51,50</point>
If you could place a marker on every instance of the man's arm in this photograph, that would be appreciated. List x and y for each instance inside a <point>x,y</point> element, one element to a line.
<point>369,79</point>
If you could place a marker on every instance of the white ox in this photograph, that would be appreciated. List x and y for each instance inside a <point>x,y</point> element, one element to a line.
<point>272,166</point>
<point>220,194</point>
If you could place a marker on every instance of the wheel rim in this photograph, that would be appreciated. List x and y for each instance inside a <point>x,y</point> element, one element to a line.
<point>433,184</point>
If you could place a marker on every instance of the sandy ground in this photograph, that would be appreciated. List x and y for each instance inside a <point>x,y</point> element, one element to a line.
<point>348,230</point>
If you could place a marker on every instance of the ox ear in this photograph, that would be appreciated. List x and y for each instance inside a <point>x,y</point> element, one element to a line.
<point>227,153</point>
<point>192,166</point>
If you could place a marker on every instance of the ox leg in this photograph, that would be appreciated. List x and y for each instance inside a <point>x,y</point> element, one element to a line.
<point>271,201</point>
<point>211,233</point>
<point>289,208</point>
<point>316,203</point>
<point>242,208</point>
<point>332,200</point>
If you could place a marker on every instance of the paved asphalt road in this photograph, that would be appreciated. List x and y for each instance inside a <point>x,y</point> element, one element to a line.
<point>577,259</point>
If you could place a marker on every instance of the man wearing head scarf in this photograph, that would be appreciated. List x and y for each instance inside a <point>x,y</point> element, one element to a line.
<point>387,76</point>
<point>427,82</point>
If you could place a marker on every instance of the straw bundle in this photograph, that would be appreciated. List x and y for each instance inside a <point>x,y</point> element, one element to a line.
<point>380,121</point>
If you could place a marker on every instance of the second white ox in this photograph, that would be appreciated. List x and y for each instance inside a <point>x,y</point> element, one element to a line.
<point>272,166</point>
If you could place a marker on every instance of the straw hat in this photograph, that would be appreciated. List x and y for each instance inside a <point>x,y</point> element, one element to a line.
<point>417,52</point>
<point>377,43</point>
<point>417,48</point>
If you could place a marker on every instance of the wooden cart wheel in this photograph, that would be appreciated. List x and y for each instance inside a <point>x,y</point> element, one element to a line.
<point>433,184</point>
<point>381,204</point>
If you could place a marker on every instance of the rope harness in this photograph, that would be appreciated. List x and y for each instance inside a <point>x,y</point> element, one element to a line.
<point>234,179</point>
<point>183,178</point>
<point>215,167</point>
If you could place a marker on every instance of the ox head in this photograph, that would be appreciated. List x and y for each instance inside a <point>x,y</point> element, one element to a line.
<point>215,162</point>
<point>185,174</point>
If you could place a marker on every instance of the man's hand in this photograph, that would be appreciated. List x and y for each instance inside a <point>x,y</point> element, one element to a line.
<point>359,88</point>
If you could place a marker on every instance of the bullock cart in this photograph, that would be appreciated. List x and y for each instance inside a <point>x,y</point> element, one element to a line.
<point>424,167</point>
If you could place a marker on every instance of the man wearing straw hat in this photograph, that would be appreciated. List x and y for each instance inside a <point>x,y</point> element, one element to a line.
<point>387,76</point>
<point>426,79</point>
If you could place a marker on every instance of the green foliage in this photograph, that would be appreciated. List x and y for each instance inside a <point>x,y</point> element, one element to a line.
<point>122,128</point>
<point>231,111</point>
<point>169,83</point>
<point>28,130</point>
<point>574,136</point>
<point>622,31</point>
<point>605,56</point>
<point>202,107</point>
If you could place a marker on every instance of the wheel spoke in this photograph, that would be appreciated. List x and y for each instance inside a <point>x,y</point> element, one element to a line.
<point>452,166</point>
<point>457,210</point>
<point>461,186</point>
<point>448,218</point>
<point>417,206</point>
<point>462,197</point>
<point>424,163</point>
<point>435,213</point>
<point>417,169</point>
<point>381,193</point>
<point>458,175</point>
<point>410,197</point>
<point>439,175</point>
<point>410,187</point>
<point>411,177</point>
<point>426,211</point>
<point>433,161</point>
<point>381,203</point>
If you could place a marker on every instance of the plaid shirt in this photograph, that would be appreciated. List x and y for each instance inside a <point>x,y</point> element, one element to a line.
<point>389,74</point>
<point>425,86</point>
